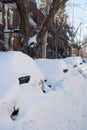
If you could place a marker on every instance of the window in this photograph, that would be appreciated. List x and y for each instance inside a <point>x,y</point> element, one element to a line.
<point>11,17</point>
<point>1,17</point>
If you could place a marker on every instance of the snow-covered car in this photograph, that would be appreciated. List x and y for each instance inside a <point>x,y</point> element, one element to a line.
<point>78,64</point>
<point>19,75</point>
<point>74,61</point>
<point>53,70</point>
<point>14,65</point>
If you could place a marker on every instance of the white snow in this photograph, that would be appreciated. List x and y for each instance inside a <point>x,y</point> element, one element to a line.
<point>63,105</point>
<point>52,70</point>
<point>32,40</point>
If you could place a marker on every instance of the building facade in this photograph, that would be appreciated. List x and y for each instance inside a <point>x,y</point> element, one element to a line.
<point>9,22</point>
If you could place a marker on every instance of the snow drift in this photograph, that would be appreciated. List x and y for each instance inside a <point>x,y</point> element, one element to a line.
<point>25,107</point>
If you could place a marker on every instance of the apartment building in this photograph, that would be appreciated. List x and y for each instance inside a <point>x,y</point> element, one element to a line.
<point>9,24</point>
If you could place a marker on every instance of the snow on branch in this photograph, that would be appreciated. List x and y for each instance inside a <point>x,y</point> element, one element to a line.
<point>32,41</point>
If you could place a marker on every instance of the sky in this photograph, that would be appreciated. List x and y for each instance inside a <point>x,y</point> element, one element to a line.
<point>77,12</point>
<point>61,106</point>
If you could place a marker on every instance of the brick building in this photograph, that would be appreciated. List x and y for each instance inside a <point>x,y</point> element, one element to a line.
<point>9,22</point>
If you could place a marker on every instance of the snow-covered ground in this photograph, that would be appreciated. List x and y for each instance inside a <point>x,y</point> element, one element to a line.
<point>53,97</point>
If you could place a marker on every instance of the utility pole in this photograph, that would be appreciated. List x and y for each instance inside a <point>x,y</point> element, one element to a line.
<point>73,14</point>
<point>72,40</point>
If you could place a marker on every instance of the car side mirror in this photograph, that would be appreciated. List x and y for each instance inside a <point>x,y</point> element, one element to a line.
<point>24,79</point>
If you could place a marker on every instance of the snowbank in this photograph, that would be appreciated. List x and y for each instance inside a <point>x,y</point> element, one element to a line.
<point>63,105</point>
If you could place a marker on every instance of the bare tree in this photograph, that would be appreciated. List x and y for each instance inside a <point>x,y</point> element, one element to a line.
<point>23,12</point>
<point>56,5</point>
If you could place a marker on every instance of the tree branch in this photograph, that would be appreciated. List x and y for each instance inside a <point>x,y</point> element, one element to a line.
<point>56,5</point>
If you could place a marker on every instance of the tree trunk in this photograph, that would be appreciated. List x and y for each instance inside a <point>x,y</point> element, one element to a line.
<point>44,46</point>
<point>24,21</point>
